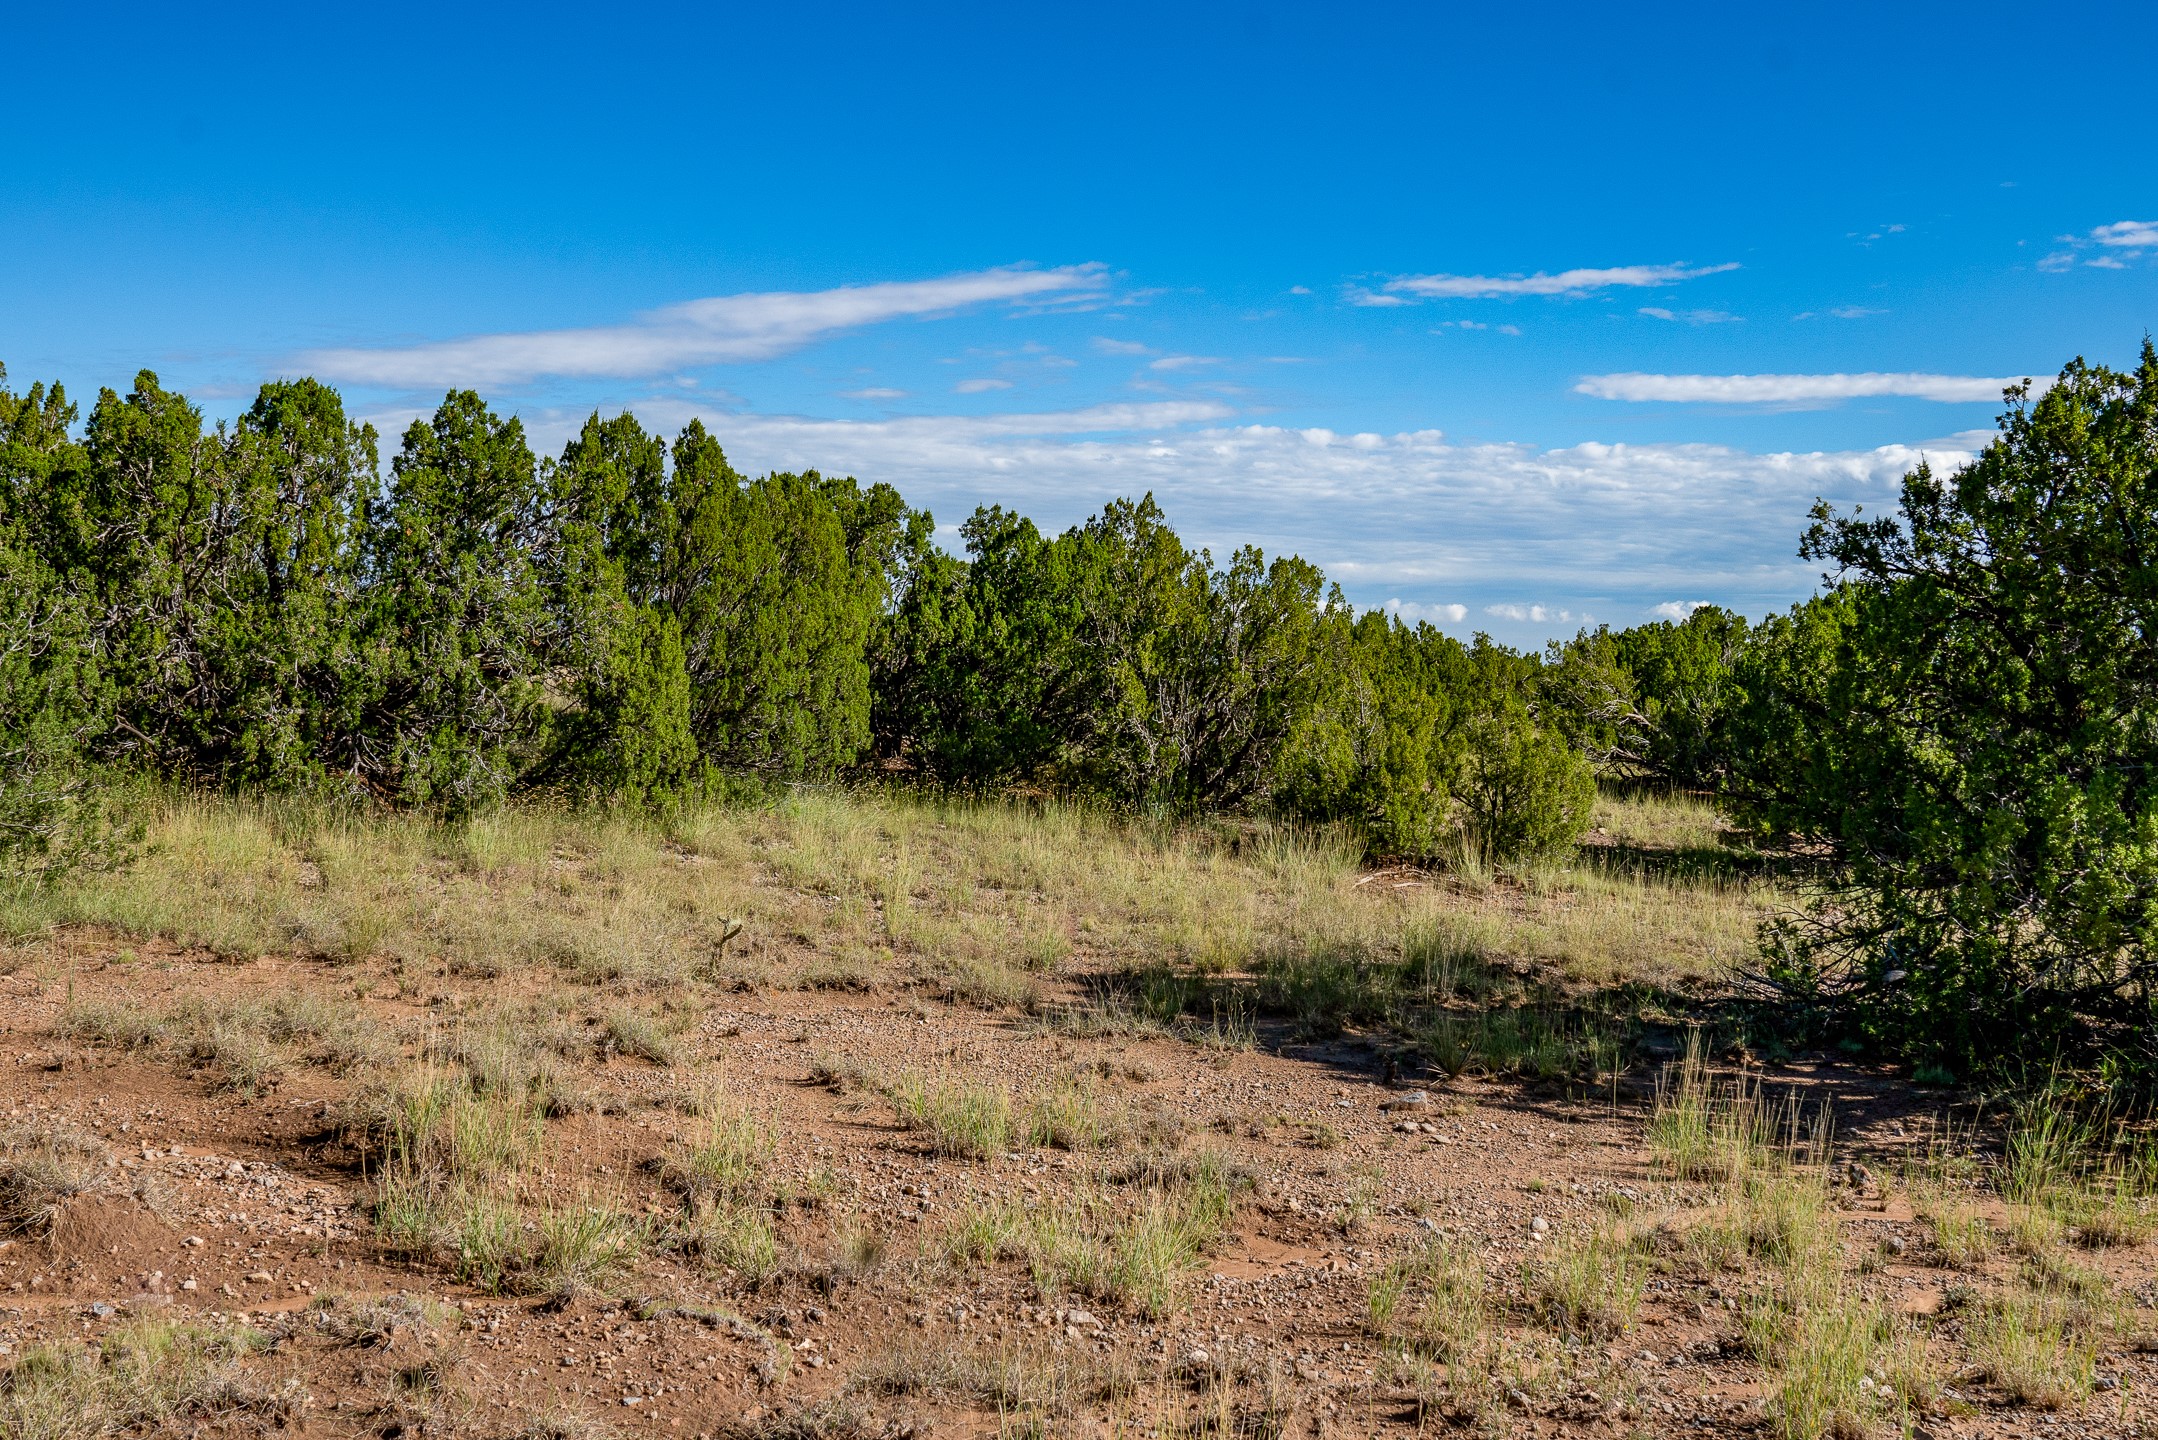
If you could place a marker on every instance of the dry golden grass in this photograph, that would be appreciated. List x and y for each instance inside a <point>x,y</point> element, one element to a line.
<point>970,901</point>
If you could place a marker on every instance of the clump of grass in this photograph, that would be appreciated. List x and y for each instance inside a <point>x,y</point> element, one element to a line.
<point>2109,1211</point>
<point>1960,1235</point>
<point>635,1033</point>
<point>561,1423</point>
<point>1433,1301</point>
<point>114,1025</point>
<point>1138,1254</point>
<point>1036,1388</point>
<point>963,1121</point>
<point>1845,1368</point>
<point>246,1062</point>
<point>485,1234</point>
<point>433,1124</point>
<point>1590,1283</point>
<point>1069,1117</point>
<point>581,1248</point>
<point>741,1238</point>
<point>147,1376</point>
<point>986,982</point>
<point>2035,1229</point>
<point>41,1169</point>
<point>1702,1130</point>
<point>2030,1345</point>
<point>728,1152</point>
<point>373,1322</point>
<point>987,1232</point>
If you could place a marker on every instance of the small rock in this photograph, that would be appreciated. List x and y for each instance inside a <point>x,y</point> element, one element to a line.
<point>1897,1245</point>
<point>192,1240</point>
<point>1082,1318</point>
<point>259,1277</point>
<point>187,1284</point>
<point>100,1309</point>
<point>1414,1100</point>
<point>1539,1224</point>
<point>1196,1356</point>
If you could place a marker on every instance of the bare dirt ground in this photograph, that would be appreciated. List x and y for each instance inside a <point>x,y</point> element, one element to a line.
<point>255,1208</point>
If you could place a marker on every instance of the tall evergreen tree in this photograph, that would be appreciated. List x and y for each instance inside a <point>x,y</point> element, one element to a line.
<point>455,635</point>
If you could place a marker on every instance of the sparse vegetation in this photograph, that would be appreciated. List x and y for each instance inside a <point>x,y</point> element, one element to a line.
<point>575,1116</point>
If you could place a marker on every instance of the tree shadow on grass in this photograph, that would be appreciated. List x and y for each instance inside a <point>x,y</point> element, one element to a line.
<point>1404,1023</point>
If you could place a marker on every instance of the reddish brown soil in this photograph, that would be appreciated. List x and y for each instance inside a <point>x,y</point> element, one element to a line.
<point>255,1206</point>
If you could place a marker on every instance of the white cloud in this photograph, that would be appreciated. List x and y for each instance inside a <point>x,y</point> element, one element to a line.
<point>1854,312</point>
<point>1120,347</point>
<point>980,384</point>
<point>721,329</point>
<point>1299,289</point>
<point>1566,282</point>
<point>1678,609</point>
<point>1183,362</point>
<point>1793,390</point>
<point>1411,611</point>
<point>1534,614</point>
<point>2128,234</point>
<point>1690,317</point>
<point>875,392</point>
<point>1372,300</point>
<point>1509,329</point>
<point>2131,236</point>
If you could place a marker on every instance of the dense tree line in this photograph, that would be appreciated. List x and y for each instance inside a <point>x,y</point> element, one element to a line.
<point>1960,728</point>
<point>264,604</point>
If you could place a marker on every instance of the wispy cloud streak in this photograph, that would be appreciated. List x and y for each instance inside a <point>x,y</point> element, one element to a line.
<point>1795,390</point>
<point>1566,282</point>
<point>721,329</point>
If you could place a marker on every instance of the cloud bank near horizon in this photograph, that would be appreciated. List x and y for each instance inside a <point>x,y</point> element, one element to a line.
<point>718,330</point>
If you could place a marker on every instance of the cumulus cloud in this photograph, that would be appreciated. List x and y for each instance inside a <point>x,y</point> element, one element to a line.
<point>875,392</point>
<point>723,328</point>
<point>1120,347</point>
<point>1183,362</point>
<point>1411,611</point>
<point>981,383</point>
<point>1795,390</point>
<point>2122,238</point>
<point>1678,609</point>
<point>2127,234</point>
<point>1566,282</point>
<point>1535,614</point>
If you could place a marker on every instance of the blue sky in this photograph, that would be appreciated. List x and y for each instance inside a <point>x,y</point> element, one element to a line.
<point>1450,302</point>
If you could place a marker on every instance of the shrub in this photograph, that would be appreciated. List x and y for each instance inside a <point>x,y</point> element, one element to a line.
<point>1525,792</point>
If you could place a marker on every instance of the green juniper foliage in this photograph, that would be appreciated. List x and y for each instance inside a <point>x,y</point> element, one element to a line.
<point>1957,733</point>
<point>1969,724</point>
